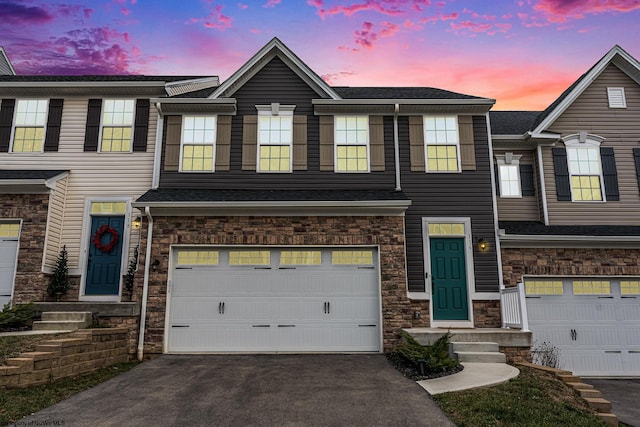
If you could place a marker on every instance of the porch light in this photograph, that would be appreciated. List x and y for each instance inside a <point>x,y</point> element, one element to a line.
<point>136,223</point>
<point>483,245</point>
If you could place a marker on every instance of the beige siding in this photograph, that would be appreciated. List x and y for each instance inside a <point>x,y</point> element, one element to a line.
<point>522,208</point>
<point>621,127</point>
<point>55,222</point>
<point>91,174</point>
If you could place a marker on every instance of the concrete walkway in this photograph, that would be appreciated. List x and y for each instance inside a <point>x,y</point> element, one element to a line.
<point>474,375</point>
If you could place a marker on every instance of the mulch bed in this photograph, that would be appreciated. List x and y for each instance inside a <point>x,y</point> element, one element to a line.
<point>410,371</point>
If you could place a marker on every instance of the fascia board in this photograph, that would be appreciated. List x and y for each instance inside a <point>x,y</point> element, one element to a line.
<point>121,84</point>
<point>193,101</point>
<point>555,241</point>
<point>366,101</point>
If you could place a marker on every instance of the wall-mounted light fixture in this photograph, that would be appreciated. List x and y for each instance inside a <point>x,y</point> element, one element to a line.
<point>136,223</point>
<point>483,245</point>
<point>155,264</point>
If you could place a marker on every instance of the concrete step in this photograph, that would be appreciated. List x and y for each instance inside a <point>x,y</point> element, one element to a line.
<point>79,316</point>
<point>475,346</point>
<point>58,325</point>
<point>599,404</point>
<point>480,357</point>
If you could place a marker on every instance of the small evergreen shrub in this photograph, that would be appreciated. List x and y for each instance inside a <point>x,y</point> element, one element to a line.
<point>131,272</point>
<point>17,317</point>
<point>59,283</point>
<point>435,357</point>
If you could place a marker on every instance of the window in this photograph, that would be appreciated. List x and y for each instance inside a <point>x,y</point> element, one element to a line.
<point>543,287</point>
<point>198,257</point>
<point>198,140</point>
<point>31,118</point>
<point>442,144</point>
<point>352,257</point>
<point>275,136</point>
<point>352,143</point>
<point>249,258</point>
<point>591,287</point>
<point>117,124</point>
<point>616,97</point>
<point>585,173</point>
<point>509,181</point>
<point>108,208</point>
<point>446,229</point>
<point>9,229</point>
<point>630,287</point>
<point>300,258</point>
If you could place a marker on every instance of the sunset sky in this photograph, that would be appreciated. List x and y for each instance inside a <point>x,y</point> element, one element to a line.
<point>522,53</point>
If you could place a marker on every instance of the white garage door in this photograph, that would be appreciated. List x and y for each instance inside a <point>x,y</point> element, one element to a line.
<point>594,322</point>
<point>269,300</point>
<point>9,236</point>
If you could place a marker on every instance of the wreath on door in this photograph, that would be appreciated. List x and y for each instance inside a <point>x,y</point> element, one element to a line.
<point>97,238</point>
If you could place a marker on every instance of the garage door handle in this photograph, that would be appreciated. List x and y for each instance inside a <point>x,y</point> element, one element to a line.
<point>607,297</point>
<point>220,308</point>
<point>262,268</point>
<point>286,268</point>
<point>327,307</point>
<point>179,326</point>
<point>574,335</point>
<point>286,326</point>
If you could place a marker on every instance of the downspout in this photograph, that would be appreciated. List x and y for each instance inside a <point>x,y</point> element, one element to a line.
<point>543,187</point>
<point>396,145</point>
<point>145,286</point>
<point>496,225</point>
<point>155,181</point>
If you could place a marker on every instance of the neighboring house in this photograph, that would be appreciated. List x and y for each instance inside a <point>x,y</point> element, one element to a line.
<point>6,68</point>
<point>75,151</point>
<point>569,212</point>
<point>290,215</point>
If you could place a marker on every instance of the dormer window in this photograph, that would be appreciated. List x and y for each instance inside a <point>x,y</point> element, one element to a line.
<point>31,118</point>
<point>616,97</point>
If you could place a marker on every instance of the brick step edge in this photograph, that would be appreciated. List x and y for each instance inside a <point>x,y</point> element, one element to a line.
<point>576,383</point>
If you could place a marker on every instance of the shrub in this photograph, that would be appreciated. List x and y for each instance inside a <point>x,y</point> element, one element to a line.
<point>435,357</point>
<point>60,279</point>
<point>16,317</point>
<point>545,354</point>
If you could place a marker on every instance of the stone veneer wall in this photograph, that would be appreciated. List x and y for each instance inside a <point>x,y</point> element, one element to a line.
<point>517,262</point>
<point>486,314</point>
<point>385,231</point>
<point>30,283</point>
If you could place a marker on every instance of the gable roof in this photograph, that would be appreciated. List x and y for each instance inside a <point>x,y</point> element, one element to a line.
<point>5,65</point>
<point>272,49</point>
<point>617,56</point>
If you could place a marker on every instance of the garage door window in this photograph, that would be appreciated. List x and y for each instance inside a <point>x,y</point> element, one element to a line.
<point>591,287</point>
<point>630,287</point>
<point>352,257</point>
<point>544,287</point>
<point>9,229</point>
<point>198,258</point>
<point>300,258</point>
<point>249,258</point>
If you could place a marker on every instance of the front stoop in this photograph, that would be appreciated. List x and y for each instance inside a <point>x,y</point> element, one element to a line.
<point>63,321</point>
<point>590,395</point>
<point>477,352</point>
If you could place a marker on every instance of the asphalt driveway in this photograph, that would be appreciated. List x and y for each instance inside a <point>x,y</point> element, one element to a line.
<point>624,395</point>
<point>251,390</point>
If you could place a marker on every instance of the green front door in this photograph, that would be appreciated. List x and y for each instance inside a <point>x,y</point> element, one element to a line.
<point>449,279</point>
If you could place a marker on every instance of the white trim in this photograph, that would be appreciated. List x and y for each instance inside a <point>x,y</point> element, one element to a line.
<point>335,144</point>
<point>509,159</point>
<point>15,264</point>
<point>13,127</point>
<point>274,110</point>
<point>84,246</point>
<point>468,246</point>
<point>494,204</point>
<point>584,140</point>
<point>133,124</point>
<point>426,144</point>
<point>612,92</point>
<point>43,267</point>
<point>214,144</point>
<point>567,241</point>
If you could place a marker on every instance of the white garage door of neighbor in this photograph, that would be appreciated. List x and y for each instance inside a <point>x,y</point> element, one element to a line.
<point>594,322</point>
<point>274,300</point>
<point>9,236</point>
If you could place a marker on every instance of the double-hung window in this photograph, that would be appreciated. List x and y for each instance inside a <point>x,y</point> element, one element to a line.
<point>275,139</point>
<point>509,175</point>
<point>31,118</point>
<point>198,144</point>
<point>117,125</point>
<point>352,143</point>
<point>442,144</point>
<point>585,172</point>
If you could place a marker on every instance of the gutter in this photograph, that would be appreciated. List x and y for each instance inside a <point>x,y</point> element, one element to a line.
<point>416,101</point>
<point>275,204</point>
<point>145,286</point>
<point>396,145</point>
<point>494,201</point>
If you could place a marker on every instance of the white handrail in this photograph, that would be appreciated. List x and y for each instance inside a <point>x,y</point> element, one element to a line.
<point>513,305</point>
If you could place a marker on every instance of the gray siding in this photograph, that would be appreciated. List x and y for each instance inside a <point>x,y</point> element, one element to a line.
<point>621,127</point>
<point>466,194</point>
<point>524,208</point>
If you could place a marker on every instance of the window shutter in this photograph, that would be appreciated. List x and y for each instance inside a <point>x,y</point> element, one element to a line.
<point>467,148</point>
<point>326,143</point>
<point>526,180</point>
<point>249,142</point>
<point>141,127</point>
<point>561,170</point>
<point>223,143</point>
<point>416,143</point>
<point>172,143</point>
<point>636,155</point>
<point>54,120</point>
<point>497,174</point>
<point>609,173</point>
<point>6,121</point>
<point>92,131</point>
<point>376,143</point>
<point>299,143</point>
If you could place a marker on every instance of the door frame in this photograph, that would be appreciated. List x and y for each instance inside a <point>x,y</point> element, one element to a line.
<point>468,254</point>
<point>84,246</point>
<point>19,221</point>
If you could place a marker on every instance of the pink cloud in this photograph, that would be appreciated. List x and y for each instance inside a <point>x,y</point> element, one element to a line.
<point>255,31</point>
<point>333,78</point>
<point>449,17</point>
<point>385,7</point>
<point>471,26</point>
<point>577,8</point>
<point>272,3</point>
<point>18,13</point>
<point>476,15</point>
<point>125,11</point>
<point>243,6</point>
<point>365,36</point>
<point>216,19</point>
<point>411,25</point>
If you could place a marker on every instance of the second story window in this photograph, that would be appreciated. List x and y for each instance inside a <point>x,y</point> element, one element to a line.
<point>509,181</point>
<point>117,124</point>
<point>352,143</point>
<point>275,137</point>
<point>585,173</point>
<point>442,144</point>
<point>31,118</point>
<point>198,141</point>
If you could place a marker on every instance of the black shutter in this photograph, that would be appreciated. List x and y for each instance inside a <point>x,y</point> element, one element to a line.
<point>561,170</point>
<point>92,131</point>
<point>54,120</point>
<point>609,173</point>
<point>141,126</point>
<point>6,120</point>
<point>526,180</point>
<point>497,169</point>
<point>636,155</point>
